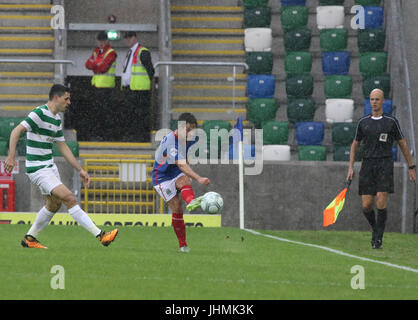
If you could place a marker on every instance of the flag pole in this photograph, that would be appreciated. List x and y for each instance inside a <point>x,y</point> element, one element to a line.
<point>241,184</point>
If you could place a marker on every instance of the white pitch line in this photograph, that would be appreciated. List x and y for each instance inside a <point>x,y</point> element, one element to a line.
<point>334,251</point>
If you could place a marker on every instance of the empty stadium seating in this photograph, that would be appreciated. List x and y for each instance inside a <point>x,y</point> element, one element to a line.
<point>298,62</point>
<point>339,110</point>
<point>368,2</point>
<point>312,153</point>
<point>376,82</point>
<point>259,17</point>
<point>254,3</point>
<point>373,63</point>
<point>343,133</point>
<point>335,62</point>
<point>257,39</point>
<point>297,39</point>
<point>275,132</point>
<point>293,17</point>
<point>309,133</point>
<point>371,40</point>
<point>301,109</point>
<point>333,39</point>
<point>338,86</point>
<point>299,86</point>
<point>328,17</point>
<point>373,17</point>
<point>293,2</point>
<point>261,110</point>
<point>261,86</point>
<point>259,62</point>
<point>276,153</point>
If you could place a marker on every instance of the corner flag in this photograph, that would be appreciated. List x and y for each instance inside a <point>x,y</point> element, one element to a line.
<point>335,207</point>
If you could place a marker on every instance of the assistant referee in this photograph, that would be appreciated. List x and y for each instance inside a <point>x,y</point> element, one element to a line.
<point>377,132</point>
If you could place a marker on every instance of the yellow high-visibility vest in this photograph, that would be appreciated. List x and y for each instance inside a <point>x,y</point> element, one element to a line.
<point>139,76</point>
<point>105,80</point>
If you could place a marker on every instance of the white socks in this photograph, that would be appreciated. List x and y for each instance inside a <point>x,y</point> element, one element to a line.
<point>84,220</point>
<point>41,221</point>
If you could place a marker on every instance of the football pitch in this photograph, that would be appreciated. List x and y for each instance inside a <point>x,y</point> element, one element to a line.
<point>224,264</point>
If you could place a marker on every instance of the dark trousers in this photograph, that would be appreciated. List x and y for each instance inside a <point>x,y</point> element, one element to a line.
<point>101,115</point>
<point>136,118</point>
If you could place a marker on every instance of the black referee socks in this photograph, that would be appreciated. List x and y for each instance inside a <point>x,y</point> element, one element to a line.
<point>370,216</point>
<point>382,215</point>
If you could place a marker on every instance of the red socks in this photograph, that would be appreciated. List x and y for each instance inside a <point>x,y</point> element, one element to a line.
<point>179,228</point>
<point>187,193</point>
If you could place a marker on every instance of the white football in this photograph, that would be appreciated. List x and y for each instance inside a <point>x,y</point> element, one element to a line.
<point>212,202</point>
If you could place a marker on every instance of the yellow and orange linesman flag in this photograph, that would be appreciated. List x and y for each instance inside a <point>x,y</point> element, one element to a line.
<point>335,207</point>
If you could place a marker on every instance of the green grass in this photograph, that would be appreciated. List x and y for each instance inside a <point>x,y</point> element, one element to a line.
<point>224,263</point>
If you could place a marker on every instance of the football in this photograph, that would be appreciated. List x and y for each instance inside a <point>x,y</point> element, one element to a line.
<point>212,202</point>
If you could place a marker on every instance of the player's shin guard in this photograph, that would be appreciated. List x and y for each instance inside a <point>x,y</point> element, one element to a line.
<point>179,228</point>
<point>381,222</point>
<point>187,193</point>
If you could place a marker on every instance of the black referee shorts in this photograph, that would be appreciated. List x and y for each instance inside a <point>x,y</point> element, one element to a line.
<point>376,175</point>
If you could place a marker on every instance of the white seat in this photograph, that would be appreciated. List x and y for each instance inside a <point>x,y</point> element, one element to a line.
<point>258,39</point>
<point>275,152</point>
<point>329,17</point>
<point>339,110</point>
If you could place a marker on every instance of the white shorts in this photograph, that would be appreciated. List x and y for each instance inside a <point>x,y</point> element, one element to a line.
<point>47,179</point>
<point>167,189</point>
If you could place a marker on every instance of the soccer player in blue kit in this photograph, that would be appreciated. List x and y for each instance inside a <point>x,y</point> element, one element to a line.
<point>172,173</point>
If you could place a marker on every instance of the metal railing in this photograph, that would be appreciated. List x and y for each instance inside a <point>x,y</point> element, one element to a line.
<point>120,186</point>
<point>167,77</point>
<point>402,98</point>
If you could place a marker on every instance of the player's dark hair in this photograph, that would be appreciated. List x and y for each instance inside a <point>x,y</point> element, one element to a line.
<point>58,90</point>
<point>188,118</point>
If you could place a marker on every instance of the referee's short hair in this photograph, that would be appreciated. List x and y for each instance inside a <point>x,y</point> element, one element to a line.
<point>57,90</point>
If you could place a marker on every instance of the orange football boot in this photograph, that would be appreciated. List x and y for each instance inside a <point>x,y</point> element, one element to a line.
<point>107,238</point>
<point>31,242</point>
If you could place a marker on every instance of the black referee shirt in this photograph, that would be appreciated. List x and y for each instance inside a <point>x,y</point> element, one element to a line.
<point>377,135</point>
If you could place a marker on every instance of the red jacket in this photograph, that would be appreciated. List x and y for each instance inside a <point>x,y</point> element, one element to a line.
<point>97,64</point>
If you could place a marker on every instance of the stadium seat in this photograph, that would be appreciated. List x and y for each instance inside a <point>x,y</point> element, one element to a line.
<point>259,17</point>
<point>298,62</point>
<point>276,153</point>
<point>368,2</point>
<point>373,63</point>
<point>299,110</point>
<point>339,110</point>
<point>222,135</point>
<point>259,62</point>
<point>255,3</point>
<point>275,132</point>
<point>312,153</point>
<point>248,150</point>
<point>7,124</point>
<point>299,86</point>
<point>294,17</point>
<point>373,17</point>
<point>293,2</point>
<point>371,40</point>
<point>343,133</point>
<point>376,82</point>
<point>331,2</point>
<point>257,39</point>
<point>338,86</point>
<point>335,63</point>
<point>341,153</point>
<point>330,17</point>
<point>261,86</point>
<point>73,145</point>
<point>309,133</point>
<point>297,39</point>
<point>333,39</point>
<point>387,107</point>
<point>4,148</point>
<point>261,110</point>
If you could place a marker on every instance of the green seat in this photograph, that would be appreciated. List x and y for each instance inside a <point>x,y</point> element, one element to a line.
<point>371,40</point>
<point>293,17</point>
<point>259,17</point>
<point>373,63</point>
<point>343,133</point>
<point>312,153</point>
<point>338,87</point>
<point>333,40</point>
<point>299,86</point>
<point>7,124</point>
<point>368,2</point>
<point>255,3</point>
<point>331,2</point>
<point>259,62</point>
<point>299,110</point>
<point>298,62</point>
<point>73,145</point>
<point>297,39</point>
<point>4,148</point>
<point>275,132</point>
<point>218,125</point>
<point>261,110</point>
<point>376,82</point>
<point>342,153</point>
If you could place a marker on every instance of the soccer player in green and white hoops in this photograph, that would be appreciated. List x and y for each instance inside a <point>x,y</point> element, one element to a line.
<point>44,127</point>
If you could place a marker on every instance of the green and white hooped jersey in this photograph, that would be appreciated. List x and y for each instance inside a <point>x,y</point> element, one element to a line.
<point>43,129</point>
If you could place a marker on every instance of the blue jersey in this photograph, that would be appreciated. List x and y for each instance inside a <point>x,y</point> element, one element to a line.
<point>167,154</point>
